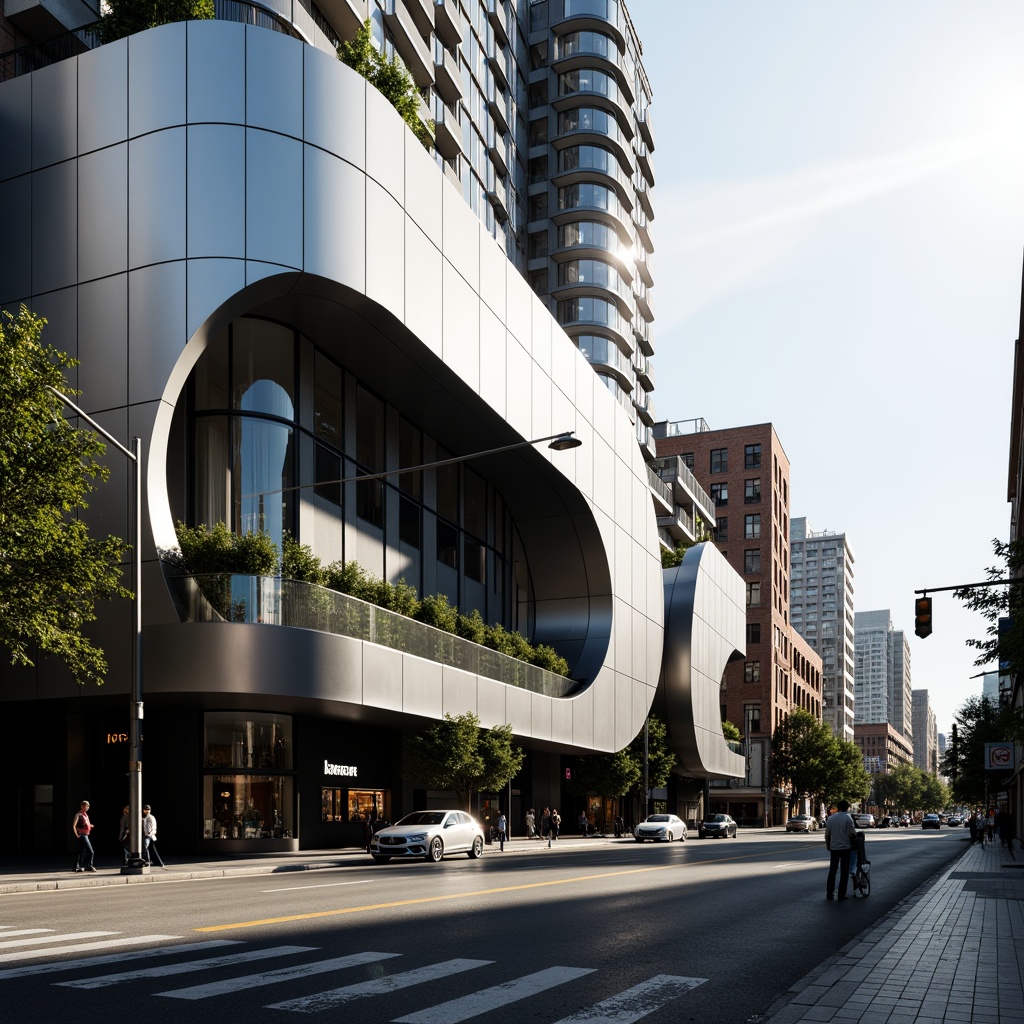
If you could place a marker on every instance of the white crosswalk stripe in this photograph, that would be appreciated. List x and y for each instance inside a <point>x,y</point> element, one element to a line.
<point>186,967</point>
<point>116,958</point>
<point>476,1003</point>
<point>52,937</point>
<point>250,981</point>
<point>626,1007</point>
<point>636,1002</point>
<point>377,986</point>
<point>83,947</point>
<point>25,931</point>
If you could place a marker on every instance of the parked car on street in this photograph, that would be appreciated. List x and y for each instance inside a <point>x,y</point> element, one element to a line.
<point>658,827</point>
<point>802,823</point>
<point>954,821</point>
<point>430,835</point>
<point>863,820</point>
<point>904,821</point>
<point>717,826</point>
<point>931,821</point>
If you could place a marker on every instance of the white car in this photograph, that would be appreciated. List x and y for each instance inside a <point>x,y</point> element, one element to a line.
<point>430,835</point>
<point>660,827</point>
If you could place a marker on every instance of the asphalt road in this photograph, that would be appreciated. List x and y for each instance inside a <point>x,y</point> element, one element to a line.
<point>709,931</point>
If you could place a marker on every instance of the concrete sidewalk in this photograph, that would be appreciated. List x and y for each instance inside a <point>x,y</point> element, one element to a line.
<point>951,952</point>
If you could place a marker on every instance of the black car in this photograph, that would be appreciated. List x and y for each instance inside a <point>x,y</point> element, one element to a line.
<point>716,826</point>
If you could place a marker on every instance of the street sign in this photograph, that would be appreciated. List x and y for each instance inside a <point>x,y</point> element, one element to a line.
<point>999,757</point>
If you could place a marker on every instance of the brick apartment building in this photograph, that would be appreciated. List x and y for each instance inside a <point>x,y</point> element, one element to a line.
<point>746,472</point>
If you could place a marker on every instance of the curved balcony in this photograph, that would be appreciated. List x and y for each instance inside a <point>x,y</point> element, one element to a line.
<point>274,601</point>
<point>598,15</point>
<point>590,125</point>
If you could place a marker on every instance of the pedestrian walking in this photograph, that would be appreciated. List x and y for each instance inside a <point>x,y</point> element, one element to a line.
<point>149,850</point>
<point>840,833</point>
<point>556,821</point>
<point>124,833</point>
<point>583,823</point>
<point>973,825</point>
<point>502,832</point>
<point>545,825</point>
<point>1007,826</point>
<point>531,826</point>
<point>82,828</point>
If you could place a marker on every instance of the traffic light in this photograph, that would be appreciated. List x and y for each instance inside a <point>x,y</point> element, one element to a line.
<point>923,616</point>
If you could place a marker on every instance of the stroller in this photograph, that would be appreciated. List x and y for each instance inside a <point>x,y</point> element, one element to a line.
<point>860,866</point>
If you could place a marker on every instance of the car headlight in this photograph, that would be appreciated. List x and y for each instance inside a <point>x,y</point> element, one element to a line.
<point>418,837</point>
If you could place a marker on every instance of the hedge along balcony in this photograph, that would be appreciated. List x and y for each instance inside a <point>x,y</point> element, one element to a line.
<point>272,600</point>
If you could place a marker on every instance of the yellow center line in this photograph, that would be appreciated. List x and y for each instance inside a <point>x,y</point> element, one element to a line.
<point>476,893</point>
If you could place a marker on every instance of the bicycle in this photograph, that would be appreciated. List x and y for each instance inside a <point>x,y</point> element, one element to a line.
<point>861,879</point>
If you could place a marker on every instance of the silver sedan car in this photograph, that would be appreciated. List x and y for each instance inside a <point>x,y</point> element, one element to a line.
<point>430,835</point>
<point>802,823</point>
<point>660,827</point>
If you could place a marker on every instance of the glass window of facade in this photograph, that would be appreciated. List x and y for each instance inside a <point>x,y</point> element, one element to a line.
<point>248,784</point>
<point>575,43</point>
<point>752,456</point>
<point>720,493</point>
<point>752,560</point>
<point>256,444</point>
<point>752,526</point>
<point>592,234</point>
<point>588,80</point>
<point>752,491</point>
<point>719,460</point>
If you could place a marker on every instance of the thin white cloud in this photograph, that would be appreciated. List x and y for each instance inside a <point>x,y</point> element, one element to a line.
<point>725,235</point>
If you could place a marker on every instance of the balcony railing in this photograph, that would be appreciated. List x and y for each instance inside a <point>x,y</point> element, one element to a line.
<point>273,601</point>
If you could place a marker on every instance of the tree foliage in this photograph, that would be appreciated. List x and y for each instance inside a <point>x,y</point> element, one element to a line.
<point>126,17</point>
<point>910,788</point>
<point>390,77</point>
<point>808,760</point>
<point>457,754</point>
<point>52,572</point>
<point>978,721</point>
<point>1004,647</point>
<point>623,772</point>
<point>731,732</point>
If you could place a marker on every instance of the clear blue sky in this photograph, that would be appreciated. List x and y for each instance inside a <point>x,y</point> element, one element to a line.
<point>839,238</point>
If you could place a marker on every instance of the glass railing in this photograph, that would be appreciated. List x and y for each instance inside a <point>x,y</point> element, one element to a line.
<point>271,600</point>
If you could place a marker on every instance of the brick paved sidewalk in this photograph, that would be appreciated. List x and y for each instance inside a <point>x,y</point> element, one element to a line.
<point>954,952</point>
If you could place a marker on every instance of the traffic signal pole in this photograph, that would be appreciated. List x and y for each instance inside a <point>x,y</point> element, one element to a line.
<point>923,604</point>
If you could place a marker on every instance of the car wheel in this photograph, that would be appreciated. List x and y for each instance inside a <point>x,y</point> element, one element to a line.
<point>476,849</point>
<point>435,851</point>
<point>682,838</point>
<point>377,859</point>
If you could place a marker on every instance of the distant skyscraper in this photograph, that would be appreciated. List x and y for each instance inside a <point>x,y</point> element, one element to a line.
<point>882,673</point>
<point>821,609</point>
<point>926,739</point>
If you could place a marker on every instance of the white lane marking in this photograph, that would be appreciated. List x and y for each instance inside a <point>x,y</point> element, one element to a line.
<point>377,986</point>
<point>52,937</point>
<point>116,958</point>
<point>188,967</point>
<point>27,931</point>
<point>636,1002</point>
<point>325,885</point>
<point>476,1003</point>
<point>83,947</point>
<point>246,982</point>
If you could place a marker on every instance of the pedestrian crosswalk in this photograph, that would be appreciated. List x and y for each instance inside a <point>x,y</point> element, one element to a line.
<point>488,986</point>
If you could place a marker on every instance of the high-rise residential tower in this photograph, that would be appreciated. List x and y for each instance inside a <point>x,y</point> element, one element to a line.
<point>882,673</point>
<point>926,737</point>
<point>821,609</point>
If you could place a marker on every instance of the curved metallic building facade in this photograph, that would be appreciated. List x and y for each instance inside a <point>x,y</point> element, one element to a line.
<point>705,629</point>
<point>168,185</point>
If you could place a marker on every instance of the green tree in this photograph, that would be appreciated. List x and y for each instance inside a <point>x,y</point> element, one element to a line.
<point>623,772</point>
<point>901,788</point>
<point>457,754</point>
<point>731,732</point>
<point>979,721</point>
<point>809,761</point>
<point>390,77</point>
<point>1004,646</point>
<point>126,17</point>
<point>52,572</point>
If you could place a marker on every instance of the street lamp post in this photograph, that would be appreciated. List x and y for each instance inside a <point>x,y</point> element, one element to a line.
<point>135,864</point>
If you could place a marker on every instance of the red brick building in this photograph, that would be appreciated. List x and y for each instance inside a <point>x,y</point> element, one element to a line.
<point>746,472</point>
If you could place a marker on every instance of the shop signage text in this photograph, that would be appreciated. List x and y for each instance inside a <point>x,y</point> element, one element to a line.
<point>340,769</point>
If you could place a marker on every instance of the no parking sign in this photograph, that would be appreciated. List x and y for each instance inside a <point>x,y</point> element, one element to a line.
<point>999,757</point>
